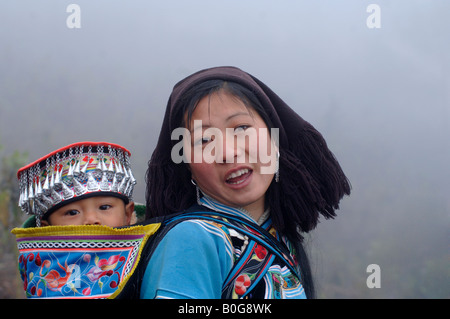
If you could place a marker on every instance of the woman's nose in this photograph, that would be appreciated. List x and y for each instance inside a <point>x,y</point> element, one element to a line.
<point>232,150</point>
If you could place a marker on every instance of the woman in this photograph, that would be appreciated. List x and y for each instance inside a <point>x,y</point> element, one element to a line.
<point>259,198</point>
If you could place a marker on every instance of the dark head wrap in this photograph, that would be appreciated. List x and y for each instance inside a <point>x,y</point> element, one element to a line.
<point>311,180</point>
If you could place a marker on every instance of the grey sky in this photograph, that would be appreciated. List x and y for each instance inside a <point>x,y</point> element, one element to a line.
<point>381,97</point>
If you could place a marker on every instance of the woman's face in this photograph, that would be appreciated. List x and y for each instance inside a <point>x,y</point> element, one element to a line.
<point>229,152</point>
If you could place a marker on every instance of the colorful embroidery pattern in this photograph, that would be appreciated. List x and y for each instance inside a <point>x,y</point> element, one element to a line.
<point>79,265</point>
<point>282,284</point>
<point>257,263</point>
<point>252,266</point>
<point>257,273</point>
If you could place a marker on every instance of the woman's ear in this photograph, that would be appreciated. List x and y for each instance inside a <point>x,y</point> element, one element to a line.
<point>44,223</point>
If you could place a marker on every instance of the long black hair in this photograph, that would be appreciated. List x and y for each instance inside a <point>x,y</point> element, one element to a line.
<point>311,181</point>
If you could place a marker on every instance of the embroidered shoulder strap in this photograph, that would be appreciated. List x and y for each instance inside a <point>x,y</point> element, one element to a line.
<point>252,230</point>
<point>247,271</point>
<point>254,262</point>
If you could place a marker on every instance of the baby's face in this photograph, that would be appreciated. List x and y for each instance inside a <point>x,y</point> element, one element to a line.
<point>98,210</point>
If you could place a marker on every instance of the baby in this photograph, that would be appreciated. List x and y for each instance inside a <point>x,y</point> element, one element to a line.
<point>87,183</point>
<point>83,193</point>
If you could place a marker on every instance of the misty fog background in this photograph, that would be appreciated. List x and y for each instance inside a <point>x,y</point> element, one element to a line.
<point>380,97</point>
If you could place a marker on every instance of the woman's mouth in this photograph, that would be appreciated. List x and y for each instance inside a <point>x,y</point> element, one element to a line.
<point>239,176</point>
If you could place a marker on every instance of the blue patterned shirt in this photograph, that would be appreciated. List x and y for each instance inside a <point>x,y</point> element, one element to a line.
<point>195,257</point>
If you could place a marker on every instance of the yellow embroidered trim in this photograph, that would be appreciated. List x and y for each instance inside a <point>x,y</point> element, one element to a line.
<point>83,230</point>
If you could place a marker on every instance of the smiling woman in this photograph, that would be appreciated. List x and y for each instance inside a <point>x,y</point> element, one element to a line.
<point>233,183</point>
<point>255,192</point>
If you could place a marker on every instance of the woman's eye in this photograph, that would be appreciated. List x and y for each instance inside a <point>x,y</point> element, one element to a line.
<point>105,207</point>
<point>203,140</point>
<point>241,128</point>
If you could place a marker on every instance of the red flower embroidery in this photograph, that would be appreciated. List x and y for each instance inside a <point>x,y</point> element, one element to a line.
<point>241,284</point>
<point>260,252</point>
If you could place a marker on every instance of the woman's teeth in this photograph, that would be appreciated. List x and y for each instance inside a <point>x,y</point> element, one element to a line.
<point>237,174</point>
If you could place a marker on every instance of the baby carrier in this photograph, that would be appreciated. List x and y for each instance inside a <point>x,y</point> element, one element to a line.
<point>96,261</point>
